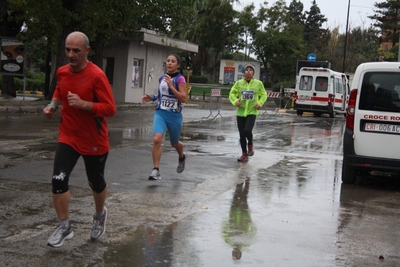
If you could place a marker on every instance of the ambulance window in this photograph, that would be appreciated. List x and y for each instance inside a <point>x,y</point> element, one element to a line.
<point>306,83</point>
<point>321,84</point>
<point>338,86</point>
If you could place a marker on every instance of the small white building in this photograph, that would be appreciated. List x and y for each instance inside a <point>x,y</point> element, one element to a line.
<point>133,65</point>
<point>232,70</point>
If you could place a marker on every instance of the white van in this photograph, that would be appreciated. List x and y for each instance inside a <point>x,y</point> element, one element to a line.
<point>321,90</point>
<point>371,140</point>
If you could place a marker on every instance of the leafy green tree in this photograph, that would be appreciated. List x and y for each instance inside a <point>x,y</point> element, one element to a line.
<point>315,37</point>
<point>296,13</point>
<point>10,26</point>
<point>100,20</point>
<point>212,25</point>
<point>188,28</point>
<point>248,25</point>
<point>279,43</point>
<point>387,19</point>
<point>217,29</point>
<point>362,46</point>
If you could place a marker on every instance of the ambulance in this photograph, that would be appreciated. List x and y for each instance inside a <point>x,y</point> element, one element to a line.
<point>321,90</point>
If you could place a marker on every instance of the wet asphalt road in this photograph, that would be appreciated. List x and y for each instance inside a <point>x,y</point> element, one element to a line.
<point>285,207</point>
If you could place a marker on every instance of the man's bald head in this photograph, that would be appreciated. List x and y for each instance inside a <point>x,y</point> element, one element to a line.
<point>79,35</point>
<point>77,49</point>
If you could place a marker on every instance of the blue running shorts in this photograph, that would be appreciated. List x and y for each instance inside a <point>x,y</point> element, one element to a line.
<point>172,121</point>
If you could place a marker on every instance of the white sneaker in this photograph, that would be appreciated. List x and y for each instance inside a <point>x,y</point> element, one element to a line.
<point>99,226</point>
<point>60,234</point>
<point>155,175</point>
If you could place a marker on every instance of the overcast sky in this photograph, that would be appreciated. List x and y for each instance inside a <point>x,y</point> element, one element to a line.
<point>334,10</point>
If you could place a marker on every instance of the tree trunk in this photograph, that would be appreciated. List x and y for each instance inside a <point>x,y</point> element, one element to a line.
<point>97,49</point>
<point>8,86</point>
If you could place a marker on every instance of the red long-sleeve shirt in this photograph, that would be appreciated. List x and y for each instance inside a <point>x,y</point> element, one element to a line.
<point>85,131</point>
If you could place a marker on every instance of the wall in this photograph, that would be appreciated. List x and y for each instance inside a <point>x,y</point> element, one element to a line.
<point>118,49</point>
<point>232,70</point>
<point>151,50</point>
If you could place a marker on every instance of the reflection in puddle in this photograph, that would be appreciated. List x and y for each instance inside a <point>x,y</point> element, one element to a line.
<point>151,246</point>
<point>136,133</point>
<point>239,230</point>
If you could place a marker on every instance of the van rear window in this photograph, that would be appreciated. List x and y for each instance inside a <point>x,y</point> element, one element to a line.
<point>380,92</point>
<point>306,83</point>
<point>321,84</point>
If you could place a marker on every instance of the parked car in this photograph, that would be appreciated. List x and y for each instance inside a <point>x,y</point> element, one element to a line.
<point>371,140</point>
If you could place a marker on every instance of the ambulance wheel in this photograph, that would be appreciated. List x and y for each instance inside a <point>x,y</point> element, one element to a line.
<point>299,112</point>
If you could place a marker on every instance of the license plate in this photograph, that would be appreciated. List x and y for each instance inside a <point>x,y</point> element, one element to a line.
<point>304,97</point>
<point>383,128</point>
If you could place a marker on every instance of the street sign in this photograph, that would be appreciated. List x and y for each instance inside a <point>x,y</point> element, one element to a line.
<point>312,57</point>
<point>215,92</point>
<point>289,90</point>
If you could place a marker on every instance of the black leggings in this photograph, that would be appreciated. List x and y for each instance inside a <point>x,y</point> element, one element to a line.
<point>245,126</point>
<point>65,161</point>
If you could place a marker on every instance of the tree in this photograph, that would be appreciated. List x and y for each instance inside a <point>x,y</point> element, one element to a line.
<point>100,20</point>
<point>387,17</point>
<point>295,11</point>
<point>315,37</point>
<point>248,25</point>
<point>217,29</point>
<point>363,45</point>
<point>279,43</point>
<point>187,28</point>
<point>10,26</point>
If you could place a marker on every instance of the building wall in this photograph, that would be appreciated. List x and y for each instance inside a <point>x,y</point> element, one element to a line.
<point>118,50</point>
<point>153,59</point>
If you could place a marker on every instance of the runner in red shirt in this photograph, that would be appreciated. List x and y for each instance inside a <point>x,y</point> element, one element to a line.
<point>85,96</point>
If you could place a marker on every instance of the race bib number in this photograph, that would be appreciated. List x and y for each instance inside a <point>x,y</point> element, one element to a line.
<point>247,95</point>
<point>169,103</point>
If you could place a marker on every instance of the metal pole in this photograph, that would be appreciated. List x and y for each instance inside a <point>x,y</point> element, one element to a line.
<point>398,53</point>
<point>345,38</point>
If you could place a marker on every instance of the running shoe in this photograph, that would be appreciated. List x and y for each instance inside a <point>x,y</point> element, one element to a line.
<point>99,226</point>
<point>250,151</point>
<point>155,175</point>
<point>181,164</point>
<point>60,234</point>
<point>243,158</point>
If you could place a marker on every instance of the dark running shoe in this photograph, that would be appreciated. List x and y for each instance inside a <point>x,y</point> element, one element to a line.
<point>250,151</point>
<point>60,234</point>
<point>181,164</point>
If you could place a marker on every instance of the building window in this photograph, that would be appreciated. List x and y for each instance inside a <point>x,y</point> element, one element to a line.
<point>108,68</point>
<point>137,73</point>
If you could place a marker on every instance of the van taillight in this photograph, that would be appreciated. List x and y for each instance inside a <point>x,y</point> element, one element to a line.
<point>330,98</point>
<point>295,96</point>
<point>351,110</point>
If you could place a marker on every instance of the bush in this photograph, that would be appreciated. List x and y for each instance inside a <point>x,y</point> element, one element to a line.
<point>281,85</point>
<point>34,82</point>
<point>198,79</point>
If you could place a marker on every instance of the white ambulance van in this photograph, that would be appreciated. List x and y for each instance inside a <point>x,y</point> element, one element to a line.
<point>321,90</point>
